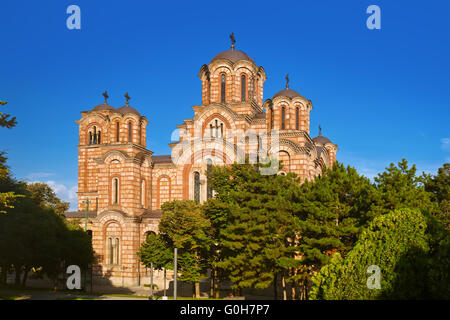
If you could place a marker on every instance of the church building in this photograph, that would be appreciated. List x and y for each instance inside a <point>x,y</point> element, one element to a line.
<point>123,184</point>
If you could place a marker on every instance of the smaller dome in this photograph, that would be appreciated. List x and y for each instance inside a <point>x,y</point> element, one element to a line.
<point>127,109</point>
<point>321,140</point>
<point>103,106</point>
<point>288,93</point>
<point>232,55</point>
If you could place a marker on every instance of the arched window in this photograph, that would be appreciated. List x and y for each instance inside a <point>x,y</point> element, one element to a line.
<point>117,131</point>
<point>283,116</point>
<point>271,118</point>
<point>296,119</point>
<point>111,250</point>
<point>115,191</point>
<point>95,135</point>
<point>243,88</point>
<point>116,251</point>
<point>222,88</point>
<point>130,127</point>
<point>143,193</point>
<point>197,187</point>
<point>216,129</point>
<point>90,137</point>
<point>208,187</point>
<point>99,137</point>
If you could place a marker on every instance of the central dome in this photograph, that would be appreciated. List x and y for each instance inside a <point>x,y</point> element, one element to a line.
<point>127,109</point>
<point>233,56</point>
<point>288,93</point>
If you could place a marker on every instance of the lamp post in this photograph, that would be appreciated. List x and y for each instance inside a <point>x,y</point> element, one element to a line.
<point>175,251</point>
<point>151,281</point>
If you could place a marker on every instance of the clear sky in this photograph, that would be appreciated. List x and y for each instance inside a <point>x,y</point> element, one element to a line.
<point>380,95</point>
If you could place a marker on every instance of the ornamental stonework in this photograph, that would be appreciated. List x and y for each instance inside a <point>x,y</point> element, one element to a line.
<point>122,184</point>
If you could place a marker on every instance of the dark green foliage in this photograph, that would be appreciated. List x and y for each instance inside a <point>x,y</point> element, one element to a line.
<point>401,244</point>
<point>155,250</point>
<point>5,120</point>
<point>331,211</point>
<point>32,236</point>
<point>45,197</point>
<point>399,187</point>
<point>439,188</point>
<point>184,226</point>
<point>7,183</point>
<point>252,224</point>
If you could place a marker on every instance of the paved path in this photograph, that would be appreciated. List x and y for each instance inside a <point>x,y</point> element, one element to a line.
<point>50,295</point>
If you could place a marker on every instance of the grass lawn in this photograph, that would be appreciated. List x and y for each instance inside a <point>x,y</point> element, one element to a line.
<point>8,297</point>
<point>156,297</point>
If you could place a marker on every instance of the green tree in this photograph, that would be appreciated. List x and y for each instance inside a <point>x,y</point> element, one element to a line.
<point>399,187</point>
<point>252,225</point>
<point>399,243</point>
<point>7,199</point>
<point>331,210</point>
<point>184,226</point>
<point>32,236</point>
<point>157,251</point>
<point>44,196</point>
<point>5,120</point>
<point>439,187</point>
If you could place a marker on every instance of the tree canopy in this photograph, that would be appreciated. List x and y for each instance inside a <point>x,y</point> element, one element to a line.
<point>401,245</point>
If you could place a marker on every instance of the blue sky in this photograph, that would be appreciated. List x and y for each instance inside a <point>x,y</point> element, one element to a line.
<point>380,95</point>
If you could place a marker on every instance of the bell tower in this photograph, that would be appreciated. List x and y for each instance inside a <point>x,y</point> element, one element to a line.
<point>114,166</point>
<point>233,78</point>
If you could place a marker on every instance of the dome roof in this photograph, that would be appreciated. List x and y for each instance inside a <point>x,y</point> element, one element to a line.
<point>128,109</point>
<point>321,139</point>
<point>232,55</point>
<point>288,93</point>
<point>103,106</point>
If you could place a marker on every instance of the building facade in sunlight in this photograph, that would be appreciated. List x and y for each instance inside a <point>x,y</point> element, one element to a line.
<point>123,184</point>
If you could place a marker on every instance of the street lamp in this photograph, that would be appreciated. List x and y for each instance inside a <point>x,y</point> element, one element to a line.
<point>87,201</point>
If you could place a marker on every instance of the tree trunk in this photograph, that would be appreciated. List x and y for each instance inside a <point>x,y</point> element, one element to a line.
<point>275,287</point>
<point>3,275</point>
<point>293,291</point>
<point>25,276</point>
<point>164,281</point>
<point>283,283</point>
<point>217,285</point>
<point>18,270</point>
<point>211,283</point>
<point>197,289</point>
<point>306,289</point>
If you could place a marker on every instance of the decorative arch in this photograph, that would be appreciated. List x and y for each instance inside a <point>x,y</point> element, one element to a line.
<point>114,155</point>
<point>285,157</point>
<point>163,189</point>
<point>112,238</point>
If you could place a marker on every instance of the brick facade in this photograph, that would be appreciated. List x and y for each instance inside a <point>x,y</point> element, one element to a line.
<point>126,184</point>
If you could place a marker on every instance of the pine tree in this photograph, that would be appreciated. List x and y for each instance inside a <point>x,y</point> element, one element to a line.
<point>439,187</point>
<point>399,187</point>
<point>253,225</point>
<point>331,211</point>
